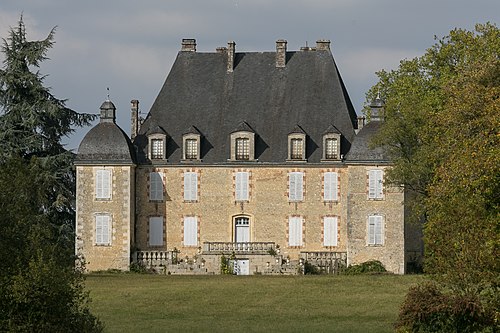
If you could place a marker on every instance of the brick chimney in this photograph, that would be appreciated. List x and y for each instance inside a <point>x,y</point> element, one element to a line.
<point>323,45</point>
<point>280,53</point>
<point>231,48</point>
<point>188,45</point>
<point>134,108</point>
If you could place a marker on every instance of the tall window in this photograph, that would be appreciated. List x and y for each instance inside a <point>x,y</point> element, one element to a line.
<point>190,186</point>
<point>157,149</point>
<point>331,152</point>
<point>155,186</point>
<point>190,231</point>
<point>295,186</point>
<point>103,184</point>
<point>330,186</point>
<point>375,184</point>
<point>296,149</point>
<point>375,230</point>
<point>295,231</point>
<point>330,230</point>
<point>156,231</point>
<point>241,186</point>
<point>242,149</point>
<point>242,229</point>
<point>103,230</point>
<point>191,149</point>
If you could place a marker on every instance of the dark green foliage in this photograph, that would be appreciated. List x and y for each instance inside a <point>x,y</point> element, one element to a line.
<point>310,269</point>
<point>40,288</point>
<point>427,309</point>
<point>442,131</point>
<point>367,267</point>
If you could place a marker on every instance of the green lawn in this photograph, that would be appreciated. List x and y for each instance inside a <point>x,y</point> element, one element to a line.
<point>156,303</point>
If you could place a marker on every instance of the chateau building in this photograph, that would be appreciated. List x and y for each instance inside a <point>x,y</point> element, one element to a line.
<point>255,156</point>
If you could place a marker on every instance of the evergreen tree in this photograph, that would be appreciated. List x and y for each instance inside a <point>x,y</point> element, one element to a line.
<point>40,288</point>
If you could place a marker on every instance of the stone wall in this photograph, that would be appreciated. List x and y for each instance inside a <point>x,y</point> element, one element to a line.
<point>120,207</point>
<point>391,207</point>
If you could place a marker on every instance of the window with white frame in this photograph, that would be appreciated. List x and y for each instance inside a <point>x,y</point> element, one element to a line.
<point>156,231</point>
<point>103,184</point>
<point>375,230</point>
<point>242,186</point>
<point>190,186</point>
<point>330,230</point>
<point>102,229</point>
<point>376,184</point>
<point>295,231</point>
<point>157,148</point>
<point>295,186</point>
<point>190,231</point>
<point>296,149</point>
<point>155,186</point>
<point>191,149</point>
<point>331,148</point>
<point>242,149</point>
<point>330,186</point>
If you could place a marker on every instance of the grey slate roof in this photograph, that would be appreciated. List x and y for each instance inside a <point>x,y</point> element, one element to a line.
<point>199,91</point>
<point>361,148</point>
<point>105,143</point>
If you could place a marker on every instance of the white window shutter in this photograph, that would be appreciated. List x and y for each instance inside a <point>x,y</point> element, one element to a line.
<point>102,230</point>
<point>241,186</point>
<point>156,186</point>
<point>296,183</point>
<point>330,186</point>
<point>330,231</point>
<point>156,231</point>
<point>190,186</point>
<point>295,231</point>
<point>190,231</point>
<point>375,184</point>
<point>103,184</point>
<point>375,230</point>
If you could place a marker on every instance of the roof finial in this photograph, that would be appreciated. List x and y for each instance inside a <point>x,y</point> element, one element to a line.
<point>378,93</point>
<point>108,93</point>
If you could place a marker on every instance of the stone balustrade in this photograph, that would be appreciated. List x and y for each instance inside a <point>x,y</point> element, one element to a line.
<point>239,248</point>
<point>154,258</point>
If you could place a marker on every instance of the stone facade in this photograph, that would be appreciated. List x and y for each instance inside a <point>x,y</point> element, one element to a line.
<point>249,170</point>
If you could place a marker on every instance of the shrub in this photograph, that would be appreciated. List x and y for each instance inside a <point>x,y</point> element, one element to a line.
<point>428,309</point>
<point>368,267</point>
<point>310,269</point>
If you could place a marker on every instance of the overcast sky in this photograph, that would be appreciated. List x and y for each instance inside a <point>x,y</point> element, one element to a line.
<point>130,46</point>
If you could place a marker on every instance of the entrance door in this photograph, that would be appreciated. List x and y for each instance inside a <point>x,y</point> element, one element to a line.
<point>242,230</point>
<point>242,267</point>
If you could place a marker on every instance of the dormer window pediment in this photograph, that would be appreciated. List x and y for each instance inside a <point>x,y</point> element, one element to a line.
<point>191,143</point>
<point>331,144</point>
<point>242,143</point>
<point>297,145</point>
<point>157,143</point>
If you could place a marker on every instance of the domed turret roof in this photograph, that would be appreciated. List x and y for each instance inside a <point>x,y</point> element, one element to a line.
<point>106,142</point>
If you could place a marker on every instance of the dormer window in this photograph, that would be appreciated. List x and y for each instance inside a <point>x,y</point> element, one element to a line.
<point>242,143</point>
<point>297,145</point>
<point>157,149</point>
<point>296,149</point>
<point>157,142</point>
<point>242,149</point>
<point>191,144</point>
<point>331,144</point>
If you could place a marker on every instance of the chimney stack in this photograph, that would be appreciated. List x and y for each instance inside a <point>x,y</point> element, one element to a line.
<point>280,53</point>
<point>188,45</point>
<point>134,108</point>
<point>231,47</point>
<point>323,45</point>
<point>361,123</point>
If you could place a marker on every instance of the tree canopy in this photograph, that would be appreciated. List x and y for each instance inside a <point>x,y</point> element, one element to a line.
<point>41,290</point>
<point>442,129</point>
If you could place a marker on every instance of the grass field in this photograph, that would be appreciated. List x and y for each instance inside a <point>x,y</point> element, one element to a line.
<point>155,303</point>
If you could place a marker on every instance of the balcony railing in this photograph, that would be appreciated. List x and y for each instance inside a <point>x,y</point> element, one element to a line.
<point>242,248</point>
<point>154,258</point>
